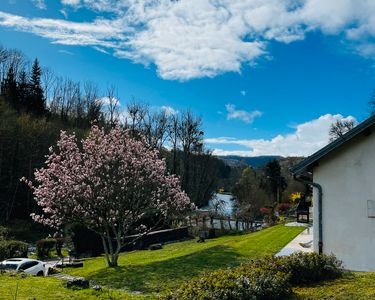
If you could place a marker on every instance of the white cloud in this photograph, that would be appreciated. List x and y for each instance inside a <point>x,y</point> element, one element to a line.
<point>243,93</point>
<point>168,110</point>
<point>71,2</point>
<point>106,101</point>
<point>101,50</point>
<point>188,39</point>
<point>39,4</point>
<point>307,138</point>
<point>66,52</point>
<point>243,115</point>
<point>64,13</point>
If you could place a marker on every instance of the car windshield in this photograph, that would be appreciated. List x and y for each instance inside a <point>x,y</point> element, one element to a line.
<point>8,266</point>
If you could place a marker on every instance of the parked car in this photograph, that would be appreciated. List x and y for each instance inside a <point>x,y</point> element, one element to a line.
<point>27,265</point>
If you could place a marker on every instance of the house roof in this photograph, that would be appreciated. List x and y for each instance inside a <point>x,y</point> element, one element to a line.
<point>310,161</point>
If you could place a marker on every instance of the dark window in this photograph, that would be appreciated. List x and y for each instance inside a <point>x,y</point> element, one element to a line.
<point>8,266</point>
<point>28,265</point>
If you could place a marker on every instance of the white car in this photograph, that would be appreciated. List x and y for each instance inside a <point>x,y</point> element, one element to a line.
<point>27,265</point>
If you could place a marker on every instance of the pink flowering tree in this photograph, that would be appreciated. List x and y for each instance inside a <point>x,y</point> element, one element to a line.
<point>109,183</point>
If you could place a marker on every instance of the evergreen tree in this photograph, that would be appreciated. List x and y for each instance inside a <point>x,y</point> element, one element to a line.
<point>23,89</point>
<point>36,101</point>
<point>9,89</point>
<point>275,184</point>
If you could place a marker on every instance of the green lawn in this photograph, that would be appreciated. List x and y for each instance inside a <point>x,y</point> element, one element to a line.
<point>144,274</point>
<point>160,270</point>
<point>42,288</point>
<point>359,286</point>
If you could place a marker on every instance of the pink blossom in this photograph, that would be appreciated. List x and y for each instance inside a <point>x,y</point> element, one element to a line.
<point>108,184</point>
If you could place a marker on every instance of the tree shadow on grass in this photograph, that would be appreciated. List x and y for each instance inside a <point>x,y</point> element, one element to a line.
<point>167,274</point>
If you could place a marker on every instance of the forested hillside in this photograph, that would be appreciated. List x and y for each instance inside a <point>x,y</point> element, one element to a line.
<point>35,104</point>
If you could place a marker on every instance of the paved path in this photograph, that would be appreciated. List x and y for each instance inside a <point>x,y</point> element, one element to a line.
<point>294,246</point>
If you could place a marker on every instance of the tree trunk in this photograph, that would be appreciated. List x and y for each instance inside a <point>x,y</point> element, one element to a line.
<point>105,250</point>
<point>111,254</point>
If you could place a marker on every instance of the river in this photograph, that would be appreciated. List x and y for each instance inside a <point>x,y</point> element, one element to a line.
<point>227,207</point>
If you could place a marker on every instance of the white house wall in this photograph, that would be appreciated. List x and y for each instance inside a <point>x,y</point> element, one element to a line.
<point>347,177</point>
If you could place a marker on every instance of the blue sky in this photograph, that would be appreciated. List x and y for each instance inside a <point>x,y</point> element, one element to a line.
<point>267,77</point>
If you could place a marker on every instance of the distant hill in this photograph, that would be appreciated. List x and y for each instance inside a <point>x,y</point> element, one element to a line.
<point>256,161</point>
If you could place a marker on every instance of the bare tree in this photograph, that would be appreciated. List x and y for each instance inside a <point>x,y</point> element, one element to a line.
<point>155,128</point>
<point>111,103</point>
<point>70,100</point>
<point>3,58</point>
<point>135,114</point>
<point>93,106</point>
<point>173,139</point>
<point>11,59</point>
<point>48,82</point>
<point>190,133</point>
<point>339,128</point>
<point>65,99</point>
<point>191,138</point>
<point>15,59</point>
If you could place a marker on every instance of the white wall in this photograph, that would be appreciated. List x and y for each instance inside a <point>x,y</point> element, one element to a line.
<point>347,177</point>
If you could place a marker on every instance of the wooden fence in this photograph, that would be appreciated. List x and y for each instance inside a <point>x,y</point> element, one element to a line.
<point>205,222</point>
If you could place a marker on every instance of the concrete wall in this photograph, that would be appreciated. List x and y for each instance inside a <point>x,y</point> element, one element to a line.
<point>347,177</point>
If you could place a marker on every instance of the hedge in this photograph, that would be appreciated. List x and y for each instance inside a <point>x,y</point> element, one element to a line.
<point>268,278</point>
<point>12,248</point>
<point>44,246</point>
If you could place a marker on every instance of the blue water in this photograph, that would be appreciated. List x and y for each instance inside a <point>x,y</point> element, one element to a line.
<point>227,207</point>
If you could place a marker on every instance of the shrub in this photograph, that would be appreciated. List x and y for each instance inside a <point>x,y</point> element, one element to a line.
<point>239,283</point>
<point>44,246</point>
<point>283,207</point>
<point>12,248</point>
<point>268,278</point>
<point>4,232</point>
<point>310,268</point>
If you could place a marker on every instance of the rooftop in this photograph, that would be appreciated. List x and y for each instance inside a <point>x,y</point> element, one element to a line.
<point>309,162</point>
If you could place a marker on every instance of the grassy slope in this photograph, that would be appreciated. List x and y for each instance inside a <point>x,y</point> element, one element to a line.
<point>152,272</point>
<point>158,271</point>
<point>359,286</point>
<point>40,288</point>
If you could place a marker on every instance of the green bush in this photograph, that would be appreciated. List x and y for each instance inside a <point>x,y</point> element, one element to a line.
<point>267,278</point>
<point>4,233</point>
<point>12,248</point>
<point>44,246</point>
<point>310,268</point>
<point>240,283</point>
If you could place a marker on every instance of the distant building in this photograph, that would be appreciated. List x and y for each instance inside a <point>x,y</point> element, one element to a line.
<point>343,176</point>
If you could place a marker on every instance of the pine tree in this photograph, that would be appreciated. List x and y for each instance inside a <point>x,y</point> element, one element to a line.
<point>36,102</point>
<point>9,89</point>
<point>275,183</point>
<point>23,89</point>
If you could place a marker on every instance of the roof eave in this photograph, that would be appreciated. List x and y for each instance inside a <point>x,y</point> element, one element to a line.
<point>308,163</point>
